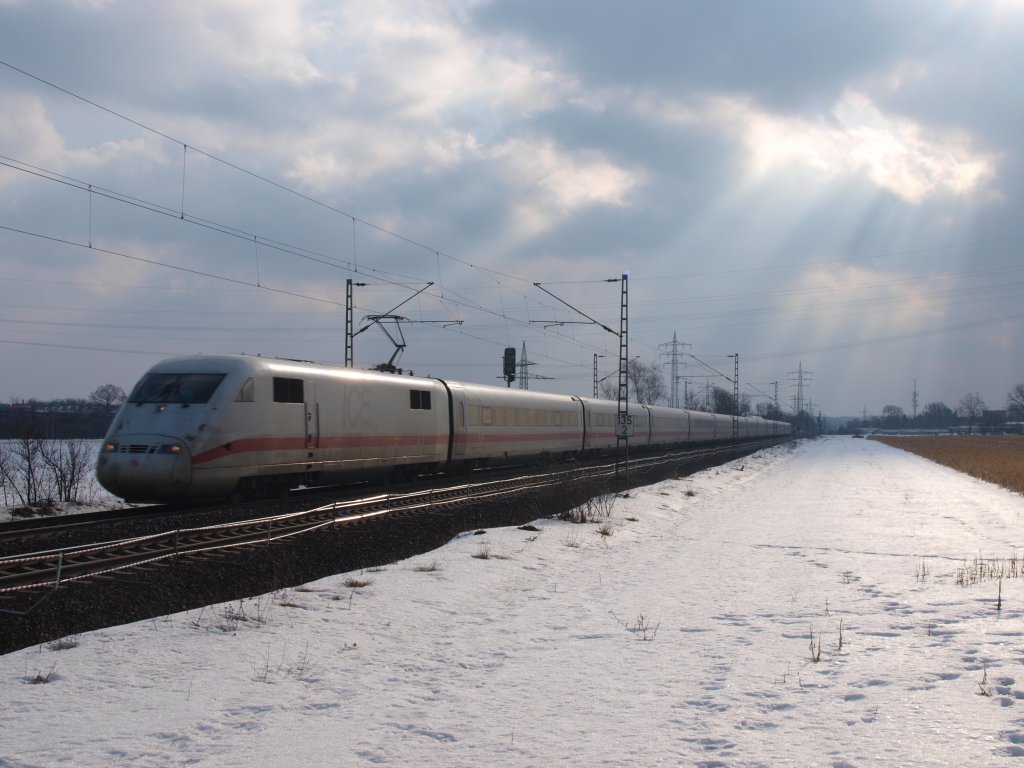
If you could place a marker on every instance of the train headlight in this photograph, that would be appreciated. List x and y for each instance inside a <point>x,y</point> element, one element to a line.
<point>110,447</point>
<point>174,448</point>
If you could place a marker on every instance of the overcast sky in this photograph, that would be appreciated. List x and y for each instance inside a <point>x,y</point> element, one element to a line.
<point>835,186</point>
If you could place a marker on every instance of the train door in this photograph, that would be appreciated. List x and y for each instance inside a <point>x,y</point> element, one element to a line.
<point>459,417</point>
<point>312,416</point>
<point>457,423</point>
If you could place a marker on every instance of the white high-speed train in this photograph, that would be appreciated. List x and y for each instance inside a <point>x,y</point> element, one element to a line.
<point>212,427</point>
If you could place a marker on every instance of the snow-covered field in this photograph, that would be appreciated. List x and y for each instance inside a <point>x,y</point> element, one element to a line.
<point>680,639</point>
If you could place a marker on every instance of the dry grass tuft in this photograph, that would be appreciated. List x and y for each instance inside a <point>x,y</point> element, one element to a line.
<point>355,583</point>
<point>989,569</point>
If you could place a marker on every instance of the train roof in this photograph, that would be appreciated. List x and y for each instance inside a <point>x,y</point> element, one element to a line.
<point>239,363</point>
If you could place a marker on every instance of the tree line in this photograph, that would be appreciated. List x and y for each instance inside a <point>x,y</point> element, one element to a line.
<point>104,399</point>
<point>63,417</point>
<point>647,387</point>
<point>971,412</point>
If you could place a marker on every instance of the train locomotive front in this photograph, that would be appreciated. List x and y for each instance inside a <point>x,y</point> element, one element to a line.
<point>148,450</point>
<point>243,426</point>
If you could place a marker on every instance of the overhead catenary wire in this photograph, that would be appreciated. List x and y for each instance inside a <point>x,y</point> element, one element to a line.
<point>254,175</point>
<point>392,278</point>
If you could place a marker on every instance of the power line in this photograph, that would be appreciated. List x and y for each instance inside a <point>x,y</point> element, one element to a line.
<point>277,185</point>
<point>227,230</point>
<point>886,339</point>
<point>832,262</point>
<point>240,234</point>
<point>154,262</point>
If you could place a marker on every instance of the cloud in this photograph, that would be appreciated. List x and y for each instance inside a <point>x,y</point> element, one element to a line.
<point>848,303</point>
<point>422,60</point>
<point>897,154</point>
<point>344,153</point>
<point>263,41</point>
<point>26,133</point>
<point>29,137</point>
<point>551,183</point>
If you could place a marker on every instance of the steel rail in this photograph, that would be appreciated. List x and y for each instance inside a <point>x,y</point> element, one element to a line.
<point>48,570</point>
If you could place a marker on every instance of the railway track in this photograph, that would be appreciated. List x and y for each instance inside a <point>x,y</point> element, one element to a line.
<point>32,579</point>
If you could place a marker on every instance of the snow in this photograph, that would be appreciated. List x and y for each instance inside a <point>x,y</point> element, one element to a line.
<point>680,639</point>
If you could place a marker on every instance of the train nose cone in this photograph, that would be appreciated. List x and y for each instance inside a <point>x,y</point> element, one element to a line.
<point>144,468</point>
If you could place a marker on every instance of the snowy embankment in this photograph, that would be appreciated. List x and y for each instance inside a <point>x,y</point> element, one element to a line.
<point>680,639</point>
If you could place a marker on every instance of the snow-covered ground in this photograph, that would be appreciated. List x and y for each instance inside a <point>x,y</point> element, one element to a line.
<point>680,639</point>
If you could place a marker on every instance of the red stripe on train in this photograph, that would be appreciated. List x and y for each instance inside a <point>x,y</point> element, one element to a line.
<point>264,444</point>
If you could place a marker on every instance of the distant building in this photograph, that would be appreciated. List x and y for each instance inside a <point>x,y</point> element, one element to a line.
<point>993,418</point>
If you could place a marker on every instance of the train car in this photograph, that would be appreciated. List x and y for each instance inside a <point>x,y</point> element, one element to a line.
<point>200,427</point>
<point>669,426</point>
<point>702,427</point>
<point>601,424</point>
<point>243,426</point>
<point>493,425</point>
<point>722,428</point>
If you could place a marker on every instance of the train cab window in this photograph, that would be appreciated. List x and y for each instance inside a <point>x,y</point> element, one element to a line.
<point>419,400</point>
<point>184,388</point>
<point>288,390</point>
<point>247,393</point>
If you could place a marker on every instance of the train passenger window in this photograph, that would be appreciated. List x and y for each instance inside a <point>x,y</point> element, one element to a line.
<point>247,393</point>
<point>288,390</point>
<point>419,400</point>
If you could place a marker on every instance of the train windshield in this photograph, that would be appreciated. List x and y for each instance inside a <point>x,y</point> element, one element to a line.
<point>175,388</point>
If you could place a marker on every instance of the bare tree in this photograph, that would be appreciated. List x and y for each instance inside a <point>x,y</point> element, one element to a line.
<point>937,414</point>
<point>108,397</point>
<point>21,468</point>
<point>971,408</point>
<point>893,416</point>
<point>692,401</point>
<point>68,463</point>
<point>722,402</point>
<point>1015,399</point>
<point>646,384</point>
<point>769,410</point>
<point>6,473</point>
